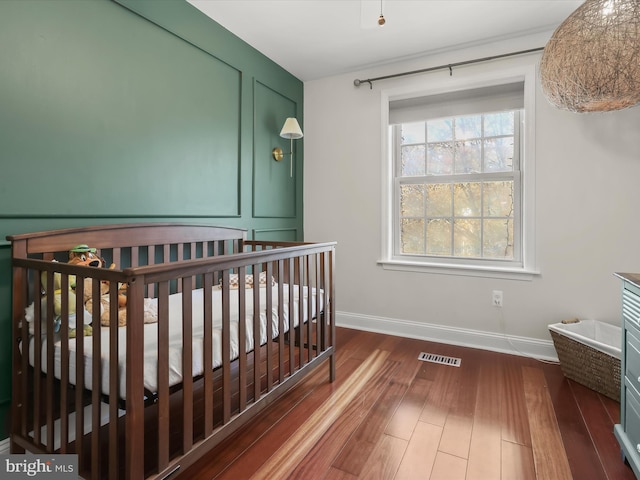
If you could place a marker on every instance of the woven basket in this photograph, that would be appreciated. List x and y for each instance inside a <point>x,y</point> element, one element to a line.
<point>588,366</point>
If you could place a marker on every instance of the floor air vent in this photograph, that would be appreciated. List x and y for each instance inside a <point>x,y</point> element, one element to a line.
<point>441,359</point>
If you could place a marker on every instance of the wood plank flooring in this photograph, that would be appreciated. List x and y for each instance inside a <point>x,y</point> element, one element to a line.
<point>391,416</point>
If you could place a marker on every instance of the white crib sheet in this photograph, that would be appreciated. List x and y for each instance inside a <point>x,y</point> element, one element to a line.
<point>175,337</point>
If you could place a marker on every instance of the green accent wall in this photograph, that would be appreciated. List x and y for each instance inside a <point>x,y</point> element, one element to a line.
<point>137,110</point>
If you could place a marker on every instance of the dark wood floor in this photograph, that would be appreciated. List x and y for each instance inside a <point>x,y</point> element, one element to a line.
<point>390,416</point>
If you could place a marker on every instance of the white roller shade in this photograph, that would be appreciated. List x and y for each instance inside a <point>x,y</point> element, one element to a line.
<point>509,96</point>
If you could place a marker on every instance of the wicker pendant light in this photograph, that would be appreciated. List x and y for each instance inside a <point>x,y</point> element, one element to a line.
<point>592,61</point>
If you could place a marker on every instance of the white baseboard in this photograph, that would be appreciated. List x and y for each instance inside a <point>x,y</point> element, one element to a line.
<point>4,447</point>
<point>523,346</point>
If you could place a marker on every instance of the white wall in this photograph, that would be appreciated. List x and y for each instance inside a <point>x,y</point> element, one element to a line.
<point>587,215</point>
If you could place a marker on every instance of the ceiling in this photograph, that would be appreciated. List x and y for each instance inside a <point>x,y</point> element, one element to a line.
<point>318,38</point>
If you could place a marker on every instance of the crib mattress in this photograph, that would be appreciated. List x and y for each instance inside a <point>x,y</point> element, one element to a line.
<point>175,336</point>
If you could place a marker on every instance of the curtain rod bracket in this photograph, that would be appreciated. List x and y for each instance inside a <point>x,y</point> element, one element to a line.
<point>358,82</point>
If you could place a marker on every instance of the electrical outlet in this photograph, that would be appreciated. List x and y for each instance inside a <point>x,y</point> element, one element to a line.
<point>496,298</point>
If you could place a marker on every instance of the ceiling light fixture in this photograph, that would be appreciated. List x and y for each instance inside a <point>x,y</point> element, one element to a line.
<point>592,61</point>
<point>381,20</point>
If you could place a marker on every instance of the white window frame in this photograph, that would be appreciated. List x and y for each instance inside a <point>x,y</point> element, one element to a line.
<point>525,269</point>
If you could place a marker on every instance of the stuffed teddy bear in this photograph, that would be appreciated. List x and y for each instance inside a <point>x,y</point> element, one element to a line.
<point>74,318</point>
<point>85,255</point>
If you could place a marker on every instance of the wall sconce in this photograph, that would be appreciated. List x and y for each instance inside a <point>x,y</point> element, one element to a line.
<point>290,130</point>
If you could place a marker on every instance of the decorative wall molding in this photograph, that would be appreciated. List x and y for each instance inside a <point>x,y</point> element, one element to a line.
<point>274,191</point>
<point>178,142</point>
<point>497,342</point>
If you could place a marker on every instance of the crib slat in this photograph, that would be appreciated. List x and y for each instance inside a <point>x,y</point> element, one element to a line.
<point>50,375</point>
<point>116,257</point>
<point>80,379</point>
<point>114,394</point>
<point>48,388</point>
<point>332,309</point>
<point>226,349</point>
<point>242,342</point>
<point>151,259</point>
<point>64,363</point>
<point>135,256</point>
<point>309,324</point>
<point>256,333</point>
<point>301,325</point>
<point>281,332</point>
<point>193,253</point>
<point>207,285</point>
<point>49,392</point>
<point>319,347</point>
<point>37,356</point>
<point>320,296</point>
<point>37,346</point>
<point>187,363</point>
<point>96,385</point>
<point>179,256</point>
<point>21,376</point>
<point>269,325</point>
<point>329,307</point>
<point>163,375</point>
<point>291,313</point>
<point>328,297</point>
<point>166,252</point>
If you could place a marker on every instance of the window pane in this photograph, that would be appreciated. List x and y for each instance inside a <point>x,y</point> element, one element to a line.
<point>440,158</point>
<point>439,237</point>
<point>412,133</point>
<point>500,123</point>
<point>439,200</point>
<point>412,201</point>
<point>468,156</point>
<point>412,160</point>
<point>467,199</point>
<point>440,130</point>
<point>466,238</point>
<point>469,127</point>
<point>498,239</point>
<point>498,199</point>
<point>498,154</point>
<point>412,235</point>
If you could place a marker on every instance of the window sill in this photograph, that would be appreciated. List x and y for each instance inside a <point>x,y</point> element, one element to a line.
<point>463,270</point>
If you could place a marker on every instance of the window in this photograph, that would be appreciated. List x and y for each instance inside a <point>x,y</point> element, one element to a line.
<point>457,186</point>
<point>456,180</point>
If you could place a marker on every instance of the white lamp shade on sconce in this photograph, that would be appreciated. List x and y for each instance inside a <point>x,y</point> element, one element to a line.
<point>291,129</point>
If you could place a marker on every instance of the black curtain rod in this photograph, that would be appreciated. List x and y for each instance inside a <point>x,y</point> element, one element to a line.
<point>357,82</point>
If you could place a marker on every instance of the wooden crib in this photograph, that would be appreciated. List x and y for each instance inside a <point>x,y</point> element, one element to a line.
<point>213,354</point>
